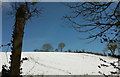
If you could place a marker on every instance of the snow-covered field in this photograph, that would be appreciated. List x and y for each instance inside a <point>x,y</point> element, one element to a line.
<point>58,63</point>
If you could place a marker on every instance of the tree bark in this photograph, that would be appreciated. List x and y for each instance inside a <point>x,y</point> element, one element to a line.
<point>61,49</point>
<point>119,50</point>
<point>118,38</point>
<point>18,34</point>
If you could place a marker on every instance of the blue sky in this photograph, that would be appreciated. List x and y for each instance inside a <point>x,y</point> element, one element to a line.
<point>49,27</point>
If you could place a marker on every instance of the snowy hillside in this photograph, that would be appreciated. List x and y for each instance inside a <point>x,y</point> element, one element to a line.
<point>57,63</point>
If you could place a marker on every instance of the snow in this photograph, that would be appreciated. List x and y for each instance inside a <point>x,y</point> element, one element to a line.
<point>59,63</point>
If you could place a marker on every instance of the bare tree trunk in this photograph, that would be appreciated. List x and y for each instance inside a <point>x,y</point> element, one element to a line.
<point>61,49</point>
<point>118,39</point>
<point>18,34</point>
<point>119,50</point>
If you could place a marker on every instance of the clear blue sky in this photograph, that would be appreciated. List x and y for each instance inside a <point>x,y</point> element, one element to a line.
<point>48,28</point>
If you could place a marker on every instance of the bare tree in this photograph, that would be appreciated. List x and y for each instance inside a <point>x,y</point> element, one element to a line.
<point>101,19</point>
<point>47,47</point>
<point>97,16</point>
<point>23,12</point>
<point>61,46</point>
<point>112,47</point>
<point>105,50</point>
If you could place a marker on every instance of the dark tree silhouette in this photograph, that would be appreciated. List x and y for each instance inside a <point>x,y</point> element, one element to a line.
<point>100,19</point>
<point>61,46</point>
<point>23,12</point>
<point>69,50</point>
<point>103,16</point>
<point>56,50</point>
<point>112,47</point>
<point>36,50</point>
<point>47,47</point>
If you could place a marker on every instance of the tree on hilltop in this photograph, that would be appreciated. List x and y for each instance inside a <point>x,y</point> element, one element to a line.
<point>47,47</point>
<point>61,46</point>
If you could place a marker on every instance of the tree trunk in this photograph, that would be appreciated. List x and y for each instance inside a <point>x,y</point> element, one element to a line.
<point>118,17</point>
<point>119,50</point>
<point>18,34</point>
<point>61,49</point>
<point>112,51</point>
